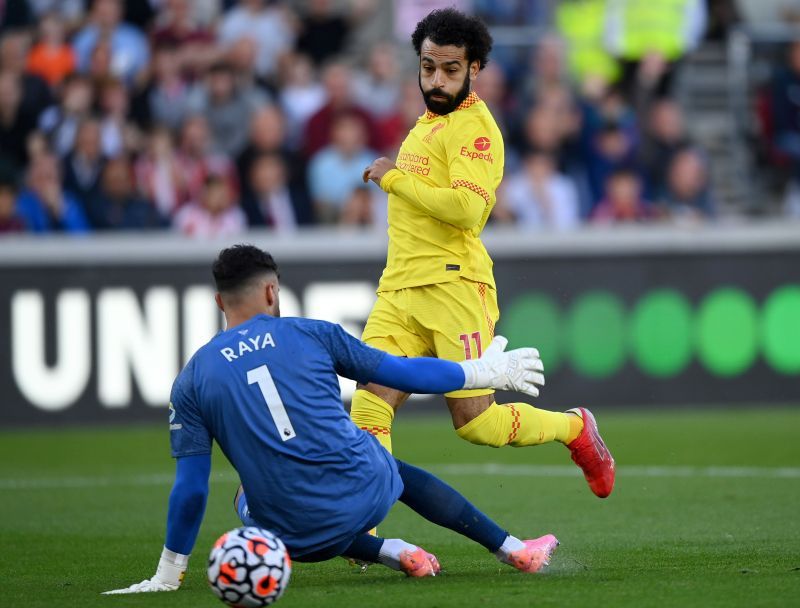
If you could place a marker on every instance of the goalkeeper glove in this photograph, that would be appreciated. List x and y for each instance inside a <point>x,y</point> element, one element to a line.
<point>168,576</point>
<point>518,370</point>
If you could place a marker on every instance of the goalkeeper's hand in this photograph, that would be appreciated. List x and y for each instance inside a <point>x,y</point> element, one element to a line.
<point>517,370</point>
<point>168,576</point>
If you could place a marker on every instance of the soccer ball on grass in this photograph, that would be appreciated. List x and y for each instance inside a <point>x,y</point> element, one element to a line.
<point>249,567</point>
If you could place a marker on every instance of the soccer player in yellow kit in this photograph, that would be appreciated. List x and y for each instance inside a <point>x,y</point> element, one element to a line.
<point>437,296</point>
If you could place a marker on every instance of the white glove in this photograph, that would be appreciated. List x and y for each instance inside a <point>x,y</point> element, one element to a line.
<point>518,370</point>
<point>168,576</point>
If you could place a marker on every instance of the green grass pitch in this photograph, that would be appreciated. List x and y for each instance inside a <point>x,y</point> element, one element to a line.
<point>706,512</point>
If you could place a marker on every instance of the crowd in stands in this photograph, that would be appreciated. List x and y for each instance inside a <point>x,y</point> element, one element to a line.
<point>211,116</point>
<point>780,114</point>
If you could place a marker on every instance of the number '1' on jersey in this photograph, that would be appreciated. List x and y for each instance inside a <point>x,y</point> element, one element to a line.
<point>267,391</point>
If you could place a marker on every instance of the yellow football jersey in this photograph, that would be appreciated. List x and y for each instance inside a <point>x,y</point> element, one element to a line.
<point>440,197</point>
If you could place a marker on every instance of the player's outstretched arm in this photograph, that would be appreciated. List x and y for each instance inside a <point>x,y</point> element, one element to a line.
<point>187,503</point>
<point>518,370</point>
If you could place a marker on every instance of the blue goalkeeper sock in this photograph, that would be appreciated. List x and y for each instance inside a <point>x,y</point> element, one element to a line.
<point>441,504</point>
<point>365,548</point>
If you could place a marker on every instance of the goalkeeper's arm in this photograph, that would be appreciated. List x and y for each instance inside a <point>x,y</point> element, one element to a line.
<point>187,504</point>
<point>519,370</point>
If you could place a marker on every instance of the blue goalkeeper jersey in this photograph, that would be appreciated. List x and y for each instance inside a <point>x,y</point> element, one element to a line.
<point>268,393</point>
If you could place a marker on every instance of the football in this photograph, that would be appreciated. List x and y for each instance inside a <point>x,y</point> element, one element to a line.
<point>249,567</point>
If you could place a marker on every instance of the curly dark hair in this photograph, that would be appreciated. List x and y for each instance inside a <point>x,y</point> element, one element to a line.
<point>448,26</point>
<point>236,266</point>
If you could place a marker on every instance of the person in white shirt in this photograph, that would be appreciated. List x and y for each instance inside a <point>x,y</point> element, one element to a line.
<point>268,26</point>
<point>538,196</point>
<point>215,215</point>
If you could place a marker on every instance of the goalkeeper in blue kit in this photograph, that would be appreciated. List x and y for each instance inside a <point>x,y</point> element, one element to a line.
<point>266,390</point>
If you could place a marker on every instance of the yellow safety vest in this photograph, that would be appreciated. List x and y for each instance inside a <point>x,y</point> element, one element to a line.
<point>581,23</point>
<point>653,25</point>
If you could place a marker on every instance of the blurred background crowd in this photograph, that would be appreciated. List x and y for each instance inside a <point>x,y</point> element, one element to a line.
<point>208,117</point>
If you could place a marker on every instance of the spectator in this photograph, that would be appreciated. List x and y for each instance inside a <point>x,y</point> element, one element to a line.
<point>158,173</point>
<point>37,145</point>
<point>336,170</point>
<point>227,108</point>
<point>612,149</point>
<point>51,58</point>
<point>241,56</point>
<point>271,199</point>
<point>323,31</point>
<point>117,206</point>
<point>377,89</point>
<point>561,108</point>
<point>337,79</point>
<point>665,136</point>
<point>623,202</point>
<point>178,27</point>
<point>268,136</point>
<point>540,131</point>
<point>36,94</point>
<point>10,220</point>
<point>83,166</point>
<point>166,98</point>
<point>177,24</point>
<point>559,101</point>
<point>44,205</point>
<point>100,66</point>
<point>207,12</point>
<point>214,215</point>
<point>128,49</point>
<point>116,132</point>
<point>688,194</point>
<point>786,112</point>
<point>650,38</point>
<point>198,161</point>
<point>60,122</point>
<point>15,123</point>
<point>611,107</point>
<point>538,196</point>
<point>68,12</point>
<point>269,26</point>
<point>363,209</point>
<point>548,69</point>
<point>301,96</point>
<point>582,24</point>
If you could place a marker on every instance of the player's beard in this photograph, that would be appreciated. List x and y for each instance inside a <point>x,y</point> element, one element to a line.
<point>452,101</point>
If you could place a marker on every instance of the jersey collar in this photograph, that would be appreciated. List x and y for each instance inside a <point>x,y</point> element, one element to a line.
<point>470,100</point>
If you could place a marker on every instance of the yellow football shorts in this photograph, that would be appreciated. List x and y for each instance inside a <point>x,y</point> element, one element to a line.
<point>452,321</point>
